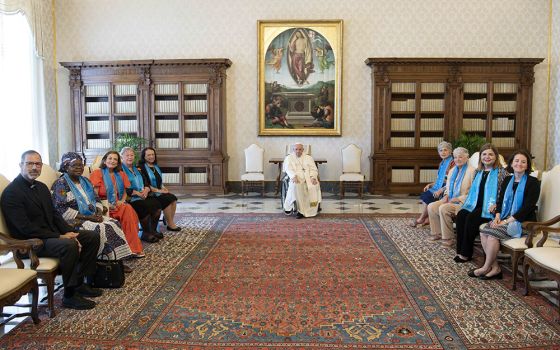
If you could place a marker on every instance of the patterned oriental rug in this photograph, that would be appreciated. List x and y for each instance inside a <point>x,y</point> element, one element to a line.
<point>272,282</point>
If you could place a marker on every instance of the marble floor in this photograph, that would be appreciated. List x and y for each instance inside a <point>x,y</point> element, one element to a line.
<point>270,203</point>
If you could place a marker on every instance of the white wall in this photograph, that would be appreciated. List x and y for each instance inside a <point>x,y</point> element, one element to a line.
<point>553,151</point>
<point>145,29</point>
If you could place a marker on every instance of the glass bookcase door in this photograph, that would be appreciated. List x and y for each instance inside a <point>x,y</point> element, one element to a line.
<point>166,116</point>
<point>195,116</point>
<point>98,130</point>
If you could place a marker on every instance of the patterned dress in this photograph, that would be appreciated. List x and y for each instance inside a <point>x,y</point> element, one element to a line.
<point>110,232</point>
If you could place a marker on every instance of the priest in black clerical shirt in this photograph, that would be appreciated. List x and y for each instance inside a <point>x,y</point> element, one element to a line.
<point>29,212</point>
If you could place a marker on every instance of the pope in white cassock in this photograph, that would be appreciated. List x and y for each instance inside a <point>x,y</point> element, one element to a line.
<point>304,187</point>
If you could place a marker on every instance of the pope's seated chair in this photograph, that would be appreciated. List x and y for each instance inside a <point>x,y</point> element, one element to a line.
<point>352,170</point>
<point>254,167</point>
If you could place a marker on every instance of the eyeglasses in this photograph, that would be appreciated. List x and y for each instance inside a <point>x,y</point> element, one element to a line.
<point>31,164</point>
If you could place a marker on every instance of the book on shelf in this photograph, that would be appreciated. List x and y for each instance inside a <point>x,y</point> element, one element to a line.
<point>475,88</point>
<point>477,105</point>
<point>430,142</point>
<point>474,124</point>
<point>170,178</point>
<point>125,107</point>
<point>97,90</point>
<point>402,124</point>
<point>403,88</point>
<point>125,89</point>
<point>504,106</point>
<point>408,105</point>
<point>432,105</point>
<point>433,88</point>
<point>127,126</point>
<point>166,106</point>
<point>97,126</point>
<point>196,125</point>
<point>196,143</point>
<point>400,142</point>
<point>196,178</point>
<point>428,175</point>
<point>505,88</point>
<point>196,106</point>
<point>503,124</point>
<point>98,143</point>
<point>506,142</point>
<point>166,89</point>
<point>97,107</point>
<point>431,124</point>
<point>167,143</point>
<point>167,125</point>
<point>195,89</point>
<point>402,175</point>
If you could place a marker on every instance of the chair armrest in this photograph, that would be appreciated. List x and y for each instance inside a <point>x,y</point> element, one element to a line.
<point>21,246</point>
<point>545,230</point>
<point>530,224</point>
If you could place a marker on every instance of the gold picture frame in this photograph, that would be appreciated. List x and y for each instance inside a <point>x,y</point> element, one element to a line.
<point>300,77</point>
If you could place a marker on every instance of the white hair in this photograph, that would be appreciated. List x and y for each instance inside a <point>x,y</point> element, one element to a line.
<point>460,151</point>
<point>444,144</point>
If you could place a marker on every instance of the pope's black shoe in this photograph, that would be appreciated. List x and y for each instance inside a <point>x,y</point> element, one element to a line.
<point>87,291</point>
<point>77,302</point>
<point>299,215</point>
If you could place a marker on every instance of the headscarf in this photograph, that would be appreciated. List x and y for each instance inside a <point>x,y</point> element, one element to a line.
<point>67,158</point>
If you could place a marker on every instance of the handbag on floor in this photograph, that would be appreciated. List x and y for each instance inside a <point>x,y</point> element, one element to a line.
<point>109,273</point>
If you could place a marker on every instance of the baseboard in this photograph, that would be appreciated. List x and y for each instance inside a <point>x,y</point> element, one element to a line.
<point>270,186</point>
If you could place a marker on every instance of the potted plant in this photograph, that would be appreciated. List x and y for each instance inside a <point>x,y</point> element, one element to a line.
<point>471,142</point>
<point>137,143</point>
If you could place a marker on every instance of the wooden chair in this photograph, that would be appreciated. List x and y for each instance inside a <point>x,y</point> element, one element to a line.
<point>254,169</point>
<point>548,207</point>
<point>47,268</point>
<point>352,170</point>
<point>16,282</point>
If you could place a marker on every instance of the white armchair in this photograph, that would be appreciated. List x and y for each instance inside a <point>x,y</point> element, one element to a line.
<point>351,170</point>
<point>48,175</point>
<point>254,167</point>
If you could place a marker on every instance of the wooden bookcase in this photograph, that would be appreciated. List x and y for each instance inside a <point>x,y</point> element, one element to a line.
<point>419,102</point>
<point>177,105</point>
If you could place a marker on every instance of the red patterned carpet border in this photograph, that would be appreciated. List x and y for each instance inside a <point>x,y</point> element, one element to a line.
<point>271,282</point>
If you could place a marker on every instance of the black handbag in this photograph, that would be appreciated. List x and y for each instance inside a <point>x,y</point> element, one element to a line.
<point>109,273</point>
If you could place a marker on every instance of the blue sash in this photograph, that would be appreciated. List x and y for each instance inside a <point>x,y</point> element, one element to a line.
<point>512,203</point>
<point>136,181</point>
<point>456,180</point>
<point>152,177</point>
<point>109,186</point>
<point>442,171</point>
<point>490,193</point>
<point>86,206</point>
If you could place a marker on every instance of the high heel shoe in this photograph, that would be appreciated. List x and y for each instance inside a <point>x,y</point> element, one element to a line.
<point>497,276</point>
<point>176,229</point>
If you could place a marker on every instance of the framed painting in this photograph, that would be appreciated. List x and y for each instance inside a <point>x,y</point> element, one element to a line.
<point>300,77</point>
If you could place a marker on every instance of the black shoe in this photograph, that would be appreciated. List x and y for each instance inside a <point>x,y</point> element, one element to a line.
<point>148,237</point>
<point>299,215</point>
<point>472,274</point>
<point>497,276</point>
<point>176,229</point>
<point>319,208</point>
<point>288,212</point>
<point>460,260</point>
<point>158,235</point>
<point>87,291</point>
<point>77,302</point>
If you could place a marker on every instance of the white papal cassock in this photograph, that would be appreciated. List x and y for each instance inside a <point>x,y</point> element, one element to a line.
<point>305,194</point>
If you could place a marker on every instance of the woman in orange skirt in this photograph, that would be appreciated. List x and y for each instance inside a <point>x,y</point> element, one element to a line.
<point>110,183</point>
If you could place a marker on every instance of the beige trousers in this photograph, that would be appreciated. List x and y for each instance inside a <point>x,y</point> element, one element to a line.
<point>441,218</point>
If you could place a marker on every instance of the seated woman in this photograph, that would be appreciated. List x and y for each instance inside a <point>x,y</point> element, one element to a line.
<point>75,200</point>
<point>147,208</point>
<point>517,203</point>
<point>480,202</point>
<point>149,168</point>
<point>442,212</point>
<point>433,191</point>
<point>110,183</point>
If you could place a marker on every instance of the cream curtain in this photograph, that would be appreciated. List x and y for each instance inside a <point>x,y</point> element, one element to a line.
<point>35,12</point>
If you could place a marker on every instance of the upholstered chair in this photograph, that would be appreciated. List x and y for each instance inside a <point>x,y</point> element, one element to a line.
<point>351,170</point>
<point>254,167</point>
<point>48,175</point>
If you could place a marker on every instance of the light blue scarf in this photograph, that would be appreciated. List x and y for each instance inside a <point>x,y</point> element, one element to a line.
<point>152,176</point>
<point>512,203</point>
<point>490,193</point>
<point>136,181</point>
<point>442,171</point>
<point>456,181</point>
<point>109,186</point>
<point>86,205</point>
